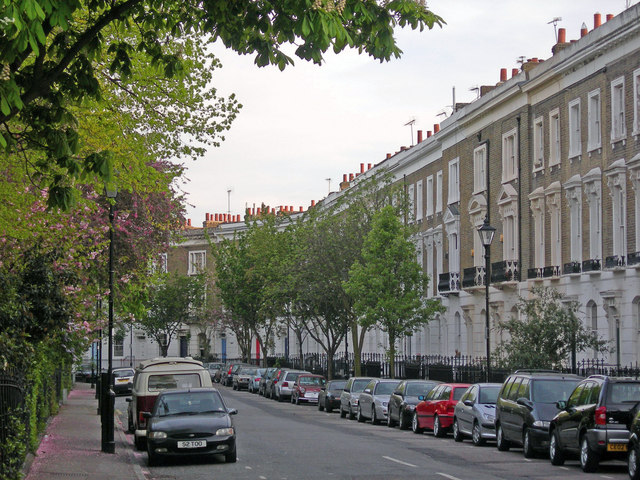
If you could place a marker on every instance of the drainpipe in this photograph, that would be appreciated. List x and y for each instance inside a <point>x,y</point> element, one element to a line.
<point>520,266</point>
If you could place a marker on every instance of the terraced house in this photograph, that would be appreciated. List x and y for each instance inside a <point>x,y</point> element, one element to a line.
<point>550,155</point>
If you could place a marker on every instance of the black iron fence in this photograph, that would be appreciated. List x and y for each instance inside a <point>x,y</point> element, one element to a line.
<point>457,368</point>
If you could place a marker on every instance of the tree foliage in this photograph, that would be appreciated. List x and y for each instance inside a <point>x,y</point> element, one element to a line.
<point>546,332</point>
<point>388,285</point>
<point>52,53</point>
<point>171,299</point>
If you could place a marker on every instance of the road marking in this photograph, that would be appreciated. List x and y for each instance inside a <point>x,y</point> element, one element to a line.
<point>605,476</point>
<point>450,477</point>
<point>248,467</point>
<point>399,461</point>
<point>528,460</point>
<point>564,468</point>
<point>261,477</point>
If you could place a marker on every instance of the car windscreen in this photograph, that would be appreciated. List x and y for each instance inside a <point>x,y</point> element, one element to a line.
<point>385,388</point>
<point>123,373</point>
<point>417,389</point>
<point>292,376</point>
<point>164,381</point>
<point>489,394</point>
<point>190,403</point>
<point>624,392</point>
<point>551,391</point>
<point>337,385</point>
<point>358,385</point>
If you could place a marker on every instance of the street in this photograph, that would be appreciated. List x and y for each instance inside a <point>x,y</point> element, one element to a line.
<point>284,441</point>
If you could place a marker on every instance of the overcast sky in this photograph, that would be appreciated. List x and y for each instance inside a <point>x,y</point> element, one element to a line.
<point>308,124</point>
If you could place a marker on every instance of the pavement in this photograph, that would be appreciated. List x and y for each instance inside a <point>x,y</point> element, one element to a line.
<point>71,447</point>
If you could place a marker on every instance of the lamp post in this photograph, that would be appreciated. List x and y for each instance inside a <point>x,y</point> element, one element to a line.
<point>108,443</point>
<point>486,233</point>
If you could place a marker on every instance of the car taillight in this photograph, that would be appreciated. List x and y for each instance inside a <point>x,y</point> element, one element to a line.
<point>601,415</point>
<point>285,384</point>
<point>257,379</point>
<point>142,422</point>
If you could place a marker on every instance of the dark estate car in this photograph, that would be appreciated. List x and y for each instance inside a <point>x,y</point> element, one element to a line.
<point>526,404</point>
<point>329,396</point>
<point>192,422</point>
<point>404,399</point>
<point>594,421</point>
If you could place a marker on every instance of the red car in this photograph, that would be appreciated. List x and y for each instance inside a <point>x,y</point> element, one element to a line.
<point>307,388</point>
<point>435,411</point>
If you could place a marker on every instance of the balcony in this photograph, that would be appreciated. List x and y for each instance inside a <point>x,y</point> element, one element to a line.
<point>505,271</point>
<point>449,283</point>
<point>473,277</point>
<point>634,259</point>
<point>614,261</point>
<point>571,268</point>
<point>592,265</point>
<point>551,271</point>
<point>534,273</point>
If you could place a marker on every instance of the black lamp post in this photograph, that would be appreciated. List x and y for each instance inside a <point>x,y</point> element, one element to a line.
<point>486,233</point>
<point>108,443</point>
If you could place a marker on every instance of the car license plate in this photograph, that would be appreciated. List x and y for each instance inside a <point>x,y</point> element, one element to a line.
<point>312,394</point>
<point>616,447</point>
<point>192,444</point>
<point>121,380</point>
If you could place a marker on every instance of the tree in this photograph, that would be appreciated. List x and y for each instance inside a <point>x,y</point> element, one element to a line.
<point>50,53</point>
<point>170,301</point>
<point>388,285</point>
<point>546,332</point>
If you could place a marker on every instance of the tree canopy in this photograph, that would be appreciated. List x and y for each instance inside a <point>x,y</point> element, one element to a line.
<point>53,55</point>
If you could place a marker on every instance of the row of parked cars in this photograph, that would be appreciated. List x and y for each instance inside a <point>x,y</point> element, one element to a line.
<point>543,412</point>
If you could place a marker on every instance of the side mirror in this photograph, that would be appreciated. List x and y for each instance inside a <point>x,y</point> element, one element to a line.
<point>367,390</point>
<point>562,405</point>
<point>525,402</point>
<point>468,403</point>
<point>128,399</point>
<point>232,411</point>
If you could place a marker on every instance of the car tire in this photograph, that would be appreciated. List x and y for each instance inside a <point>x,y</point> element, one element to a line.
<point>502,443</point>
<point>130,426</point>
<point>633,462</point>
<point>297,402</point>
<point>350,414</point>
<point>279,397</point>
<point>438,431</point>
<point>359,416</point>
<point>588,458</point>
<point>328,408</point>
<point>231,457</point>
<point>457,434</point>
<point>404,420</point>
<point>555,452</point>
<point>415,425</point>
<point>343,414</point>
<point>140,442</point>
<point>476,435</point>
<point>527,446</point>
<point>320,407</point>
<point>152,459</point>
<point>390,422</point>
<point>374,418</point>
<point>235,387</point>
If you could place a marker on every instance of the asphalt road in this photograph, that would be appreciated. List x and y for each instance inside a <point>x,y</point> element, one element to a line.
<point>286,442</point>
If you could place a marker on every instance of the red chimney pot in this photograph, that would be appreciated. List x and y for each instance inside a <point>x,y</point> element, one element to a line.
<point>597,20</point>
<point>609,16</point>
<point>562,35</point>
<point>503,74</point>
<point>429,133</point>
<point>362,168</point>
<point>436,127</point>
<point>419,136</point>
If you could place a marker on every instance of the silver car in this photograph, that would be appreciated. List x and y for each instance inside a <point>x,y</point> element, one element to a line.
<point>475,413</point>
<point>373,401</point>
<point>242,377</point>
<point>284,387</point>
<point>349,396</point>
<point>254,380</point>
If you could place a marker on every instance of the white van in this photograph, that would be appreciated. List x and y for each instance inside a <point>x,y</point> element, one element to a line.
<point>154,376</point>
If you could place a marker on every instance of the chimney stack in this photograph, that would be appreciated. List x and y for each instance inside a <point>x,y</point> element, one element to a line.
<point>583,30</point>
<point>503,75</point>
<point>597,20</point>
<point>609,16</point>
<point>419,136</point>
<point>514,72</point>
<point>362,168</point>
<point>429,133</point>
<point>436,128</point>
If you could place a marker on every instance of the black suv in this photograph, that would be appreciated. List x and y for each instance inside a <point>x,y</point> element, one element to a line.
<point>526,404</point>
<point>594,421</point>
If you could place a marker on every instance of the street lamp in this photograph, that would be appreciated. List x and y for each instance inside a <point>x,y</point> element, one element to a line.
<point>108,443</point>
<point>486,233</point>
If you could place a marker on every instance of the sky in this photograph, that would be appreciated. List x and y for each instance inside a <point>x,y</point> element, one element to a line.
<point>308,124</point>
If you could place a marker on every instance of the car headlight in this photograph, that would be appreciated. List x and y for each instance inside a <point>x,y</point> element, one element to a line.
<point>223,432</point>
<point>541,424</point>
<point>384,404</point>
<point>355,401</point>
<point>157,435</point>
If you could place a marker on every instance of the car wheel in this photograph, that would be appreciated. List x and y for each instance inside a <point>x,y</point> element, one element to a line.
<point>359,416</point>
<point>457,434</point>
<point>588,458</point>
<point>502,444</point>
<point>555,452</point>
<point>374,417</point>
<point>235,387</point>
<point>404,422</point>
<point>527,446</point>
<point>415,425</point>
<point>231,457</point>
<point>292,399</point>
<point>152,459</point>
<point>130,426</point>
<point>633,462</point>
<point>140,442</point>
<point>279,397</point>
<point>438,431</point>
<point>298,400</point>
<point>343,414</point>
<point>389,420</point>
<point>476,435</point>
<point>320,407</point>
<point>328,408</point>
<point>351,414</point>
